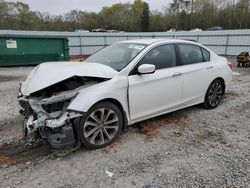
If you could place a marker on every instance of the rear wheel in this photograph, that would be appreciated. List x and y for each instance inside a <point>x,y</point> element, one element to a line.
<point>101,126</point>
<point>214,94</point>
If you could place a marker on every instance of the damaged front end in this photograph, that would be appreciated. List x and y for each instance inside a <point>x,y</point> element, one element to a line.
<point>47,115</point>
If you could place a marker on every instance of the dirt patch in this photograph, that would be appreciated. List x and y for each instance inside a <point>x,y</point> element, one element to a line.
<point>9,78</point>
<point>150,127</point>
<point>6,160</point>
<point>21,151</point>
<point>10,129</point>
<point>232,94</point>
<point>172,120</point>
<point>211,136</point>
<point>113,146</point>
<point>12,121</point>
<point>245,108</point>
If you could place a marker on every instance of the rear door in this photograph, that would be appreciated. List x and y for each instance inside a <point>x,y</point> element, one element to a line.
<point>197,70</point>
<point>153,94</point>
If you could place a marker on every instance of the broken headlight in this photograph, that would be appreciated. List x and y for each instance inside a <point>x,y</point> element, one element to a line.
<point>57,103</point>
<point>55,107</point>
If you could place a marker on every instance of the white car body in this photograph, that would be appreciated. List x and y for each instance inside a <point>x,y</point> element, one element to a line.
<point>140,96</point>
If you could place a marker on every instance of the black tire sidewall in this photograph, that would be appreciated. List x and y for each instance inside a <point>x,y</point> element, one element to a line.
<point>113,107</point>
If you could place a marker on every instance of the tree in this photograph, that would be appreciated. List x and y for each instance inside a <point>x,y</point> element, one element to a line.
<point>136,16</point>
<point>116,17</point>
<point>180,10</point>
<point>145,17</point>
<point>242,10</point>
<point>156,22</point>
<point>91,20</point>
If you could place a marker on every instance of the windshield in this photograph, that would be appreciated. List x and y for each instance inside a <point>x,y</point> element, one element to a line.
<point>117,55</point>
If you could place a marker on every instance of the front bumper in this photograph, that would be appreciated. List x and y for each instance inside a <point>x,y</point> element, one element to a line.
<point>58,128</point>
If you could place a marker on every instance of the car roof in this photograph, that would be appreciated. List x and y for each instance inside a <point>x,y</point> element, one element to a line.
<point>151,41</point>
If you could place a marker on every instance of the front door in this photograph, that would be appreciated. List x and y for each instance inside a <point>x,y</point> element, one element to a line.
<point>156,93</point>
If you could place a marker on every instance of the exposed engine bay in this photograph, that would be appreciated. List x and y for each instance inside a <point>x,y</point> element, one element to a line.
<point>46,114</point>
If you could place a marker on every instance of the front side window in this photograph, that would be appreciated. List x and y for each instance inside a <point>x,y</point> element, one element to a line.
<point>117,55</point>
<point>162,57</point>
<point>190,54</point>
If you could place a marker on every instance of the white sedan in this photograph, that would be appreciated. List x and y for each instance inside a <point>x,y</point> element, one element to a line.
<point>90,103</point>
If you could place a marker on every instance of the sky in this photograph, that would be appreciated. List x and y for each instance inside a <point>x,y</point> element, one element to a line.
<point>62,6</point>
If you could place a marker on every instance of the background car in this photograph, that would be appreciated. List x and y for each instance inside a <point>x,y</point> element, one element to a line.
<point>92,102</point>
<point>215,28</point>
<point>102,30</point>
<point>82,30</point>
<point>196,29</point>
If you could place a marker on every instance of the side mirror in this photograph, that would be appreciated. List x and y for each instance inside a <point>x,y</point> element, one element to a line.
<point>146,69</point>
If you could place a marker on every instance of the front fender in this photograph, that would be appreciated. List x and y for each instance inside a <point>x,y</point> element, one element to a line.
<point>112,89</point>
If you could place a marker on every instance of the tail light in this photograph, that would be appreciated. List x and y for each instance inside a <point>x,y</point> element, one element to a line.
<point>230,65</point>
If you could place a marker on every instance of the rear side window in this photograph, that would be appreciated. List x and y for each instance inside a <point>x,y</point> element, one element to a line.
<point>206,55</point>
<point>162,57</point>
<point>190,54</point>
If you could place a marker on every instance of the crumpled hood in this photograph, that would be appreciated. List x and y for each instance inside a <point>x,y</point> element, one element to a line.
<point>47,74</point>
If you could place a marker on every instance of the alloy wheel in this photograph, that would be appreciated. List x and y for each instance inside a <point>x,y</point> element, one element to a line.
<point>101,126</point>
<point>215,94</point>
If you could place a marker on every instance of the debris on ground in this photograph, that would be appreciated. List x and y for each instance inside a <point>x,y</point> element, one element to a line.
<point>109,174</point>
<point>236,74</point>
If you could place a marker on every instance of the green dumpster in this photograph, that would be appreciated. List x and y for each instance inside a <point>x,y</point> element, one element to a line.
<point>18,50</point>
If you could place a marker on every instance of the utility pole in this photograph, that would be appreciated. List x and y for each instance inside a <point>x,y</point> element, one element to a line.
<point>232,15</point>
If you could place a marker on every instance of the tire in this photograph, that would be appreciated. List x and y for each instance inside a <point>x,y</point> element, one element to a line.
<point>214,94</point>
<point>101,126</point>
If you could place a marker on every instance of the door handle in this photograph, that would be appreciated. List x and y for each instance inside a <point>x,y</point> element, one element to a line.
<point>177,74</point>
<point>210,67</point>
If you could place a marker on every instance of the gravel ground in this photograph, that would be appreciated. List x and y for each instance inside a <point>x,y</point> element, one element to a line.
<point>10,79</point>
<point>193,147</point>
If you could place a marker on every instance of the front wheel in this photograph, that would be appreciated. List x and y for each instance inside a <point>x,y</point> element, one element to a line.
<point>101,126</point>
<point>214,94</point>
